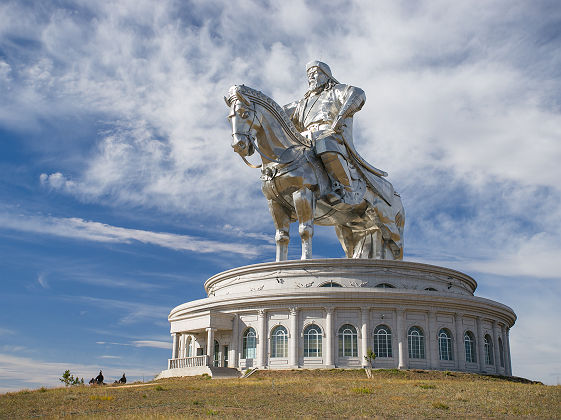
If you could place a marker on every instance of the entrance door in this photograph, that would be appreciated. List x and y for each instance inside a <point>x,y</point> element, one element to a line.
<point>216,354</point>
<point>225,356</point>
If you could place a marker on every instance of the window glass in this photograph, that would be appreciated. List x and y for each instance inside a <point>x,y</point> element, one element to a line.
<point>488,349</point>
<point>469,343</point>
<point>501,352</point>
<point>416,341</point>
<point>331,284</point>
<point>348,339</point>
<point>249,346</point>
<point>312,341</point>
<point>382,341</point>
<point>279,342</point>
<point>445,345</point>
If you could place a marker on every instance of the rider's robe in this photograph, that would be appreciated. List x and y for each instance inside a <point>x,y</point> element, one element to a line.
<point>315,114</point>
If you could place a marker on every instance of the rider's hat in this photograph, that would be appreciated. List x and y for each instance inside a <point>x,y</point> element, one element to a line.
<point>323,67</point>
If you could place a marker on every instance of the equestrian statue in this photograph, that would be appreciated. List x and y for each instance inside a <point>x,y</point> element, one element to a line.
<point>311,171</point>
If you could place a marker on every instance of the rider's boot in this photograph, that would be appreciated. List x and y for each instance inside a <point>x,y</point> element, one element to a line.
<point>338,171</point>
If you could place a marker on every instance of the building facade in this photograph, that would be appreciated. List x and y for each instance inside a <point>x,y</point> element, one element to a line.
<point>330,313</point>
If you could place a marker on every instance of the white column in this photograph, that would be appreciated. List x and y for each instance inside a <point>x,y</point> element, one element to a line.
<point>329,337</point>
<point>459,342</point>
<point>480,345</point>
<point>294,338</point>
<point>262,338</point>
<point>401,337</point>
<point>365,311</point>
<point>210,345</point>
<point>181,345</point>
<point>234,342</point>
<point>175,345</point>
<point>496,348</point>
<point>434,359</point>
<point>507,343</point>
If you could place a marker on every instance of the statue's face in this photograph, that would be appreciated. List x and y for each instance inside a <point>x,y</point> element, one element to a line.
<point>316,78</point>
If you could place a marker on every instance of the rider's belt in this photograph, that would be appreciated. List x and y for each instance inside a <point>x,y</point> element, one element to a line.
<point>318,126</point>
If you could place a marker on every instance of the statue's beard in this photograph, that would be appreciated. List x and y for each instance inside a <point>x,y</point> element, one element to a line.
<point>314,87</point>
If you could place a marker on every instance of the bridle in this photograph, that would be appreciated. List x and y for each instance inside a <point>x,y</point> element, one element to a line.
<point>251,139</point>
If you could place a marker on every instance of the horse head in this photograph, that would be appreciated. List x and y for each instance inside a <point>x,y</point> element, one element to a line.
<point>244,121</point>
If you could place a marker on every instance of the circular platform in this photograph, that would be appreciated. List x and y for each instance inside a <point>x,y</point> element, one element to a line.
<point>412,315</point>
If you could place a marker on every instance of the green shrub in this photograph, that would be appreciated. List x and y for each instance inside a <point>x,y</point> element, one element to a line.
<point>362,390</point>
<point>68,380</point>
<point>440,406</point>
<point>370,356</point>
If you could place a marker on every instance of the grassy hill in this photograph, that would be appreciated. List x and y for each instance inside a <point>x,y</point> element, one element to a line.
<point>301,393</point>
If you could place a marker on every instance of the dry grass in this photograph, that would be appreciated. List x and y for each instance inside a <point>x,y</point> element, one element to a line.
<point>299,394</point>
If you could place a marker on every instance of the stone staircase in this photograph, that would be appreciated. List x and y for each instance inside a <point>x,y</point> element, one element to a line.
<point>224,373</point>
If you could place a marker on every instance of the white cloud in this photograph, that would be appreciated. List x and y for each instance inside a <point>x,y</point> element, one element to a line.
<point>152,343</point>
<point>461,98</point>
<point>6,331</point>
<point>134,312</point>
<point>42,280</point>
<point>100,232</point>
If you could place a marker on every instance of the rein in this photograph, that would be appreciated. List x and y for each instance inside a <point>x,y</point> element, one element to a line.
<point>254,144</point>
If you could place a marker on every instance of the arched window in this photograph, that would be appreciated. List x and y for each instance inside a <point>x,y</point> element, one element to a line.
<point>312,341</point>
<point>249,344</point>
<point>348,341</point>
<point>331,284</point>
<point>501,353</point>
<point>445,344</point>
<point>279,342</point>
<point>416,341</point>
<point>488,347</point>
<point>431,289</point>
<point>185,347</point>
<point>216,354</point>
<point>383,341</point>
<point>469,343</point>
<point>385,286</point>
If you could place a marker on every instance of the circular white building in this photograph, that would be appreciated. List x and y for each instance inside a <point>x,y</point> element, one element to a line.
<point>329,313</point>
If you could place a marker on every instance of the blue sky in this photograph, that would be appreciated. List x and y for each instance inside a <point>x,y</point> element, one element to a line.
<point>120,194</point>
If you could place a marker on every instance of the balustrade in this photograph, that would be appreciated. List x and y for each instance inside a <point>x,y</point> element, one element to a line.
<point>187,362</point>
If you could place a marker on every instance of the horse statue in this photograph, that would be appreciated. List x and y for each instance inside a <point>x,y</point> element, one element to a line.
<point>295,184</point>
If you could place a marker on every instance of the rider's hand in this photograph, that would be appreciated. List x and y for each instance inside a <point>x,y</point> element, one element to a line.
<point>338,125</point>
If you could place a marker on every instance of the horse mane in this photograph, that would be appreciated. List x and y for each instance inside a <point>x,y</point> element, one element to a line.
<point>273,107</point>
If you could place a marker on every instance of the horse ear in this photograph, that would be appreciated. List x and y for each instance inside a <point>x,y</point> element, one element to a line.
<point>242,98</point>
<point>227,102</point>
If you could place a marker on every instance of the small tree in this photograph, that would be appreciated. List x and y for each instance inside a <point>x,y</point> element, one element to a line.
<point>69,380</point>
<point>370,356</point>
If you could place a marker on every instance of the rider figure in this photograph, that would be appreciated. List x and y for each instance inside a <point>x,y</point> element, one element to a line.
<point>325,116</point>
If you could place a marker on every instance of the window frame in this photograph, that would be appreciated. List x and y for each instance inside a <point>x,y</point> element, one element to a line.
<point>445,345</point>
<point>488,350</point>
<point>416,343</point>
<point>382,340</point>
<point>313,342</point>
<point>279,342</point>
<point>249,352</point>
<point>347,341</point>
<point>470,347</point>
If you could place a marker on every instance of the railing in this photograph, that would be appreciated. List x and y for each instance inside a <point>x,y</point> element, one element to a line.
<point>186,362</point>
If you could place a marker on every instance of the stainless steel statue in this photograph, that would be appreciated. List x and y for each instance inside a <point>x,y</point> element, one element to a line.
<point>311,170</point>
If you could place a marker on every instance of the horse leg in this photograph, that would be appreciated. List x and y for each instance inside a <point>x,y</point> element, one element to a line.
<point>346,237</point>
<point>282,225</point>
<point>304,203</point>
